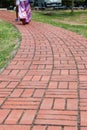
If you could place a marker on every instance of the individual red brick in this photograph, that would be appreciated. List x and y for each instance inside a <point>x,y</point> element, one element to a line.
<point>3,115</point>
<point>65,78</point>
<point>83,104</point>
<point>27,78</point>
<point>24,83</point>
<point>34,67</point>
<point>27,93</point>
<point>36,78</point>
<point>1,100</point>
<point>21,105</point>
<point>59,104</point>
<point>45,78</point>
<point>81,67</point>
<point>63,61</point>
<point>3,84</point>
<point>56,122</point>
<point>83,78</point>
<point>14,127</point>
<point>12,85</point>
<point>71,61</point>
<point>56,117</point>
<point>83,94</point>
<point>56,72</point>
<point>73,85</point>
<point>4,94</point>
<point>70,128</point>
<point>64,72</point>
<point>63,85</point>
<point>38,93</point>
<point>61,93</point>
<point>38,127</point>
<point>48,66</point>
<point>17,67</point>
<point>74,72</point>
<point>47,103</point>
<point>14,62</point>
<point>54,128</point>
<point>84,118</point>
<point>83,128</point>
<point>16,93</point>
<point>6,72</point>
<point>41,67</point>
<point>9,78</point>
<point>58,112</point>
<point>28,117</point>
<point>53,85</point>
<point>72,104</point>
<point>39,72</point>
<point>14,72</point>
<point>13,117</point>
<point>21,73</point>
<point>20,62</point>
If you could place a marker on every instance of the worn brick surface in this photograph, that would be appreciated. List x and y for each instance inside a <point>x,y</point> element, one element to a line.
<point>44,87</point>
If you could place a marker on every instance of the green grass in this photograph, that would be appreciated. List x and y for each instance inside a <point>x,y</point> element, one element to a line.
<point>75,22</point>
<point>9,42</point>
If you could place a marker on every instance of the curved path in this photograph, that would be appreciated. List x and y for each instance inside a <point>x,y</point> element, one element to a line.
<point>45,85</point>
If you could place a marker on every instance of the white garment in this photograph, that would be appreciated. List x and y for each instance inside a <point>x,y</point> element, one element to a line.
<point>22,0</point>
<point>17,2</point>
<point>22,13</point>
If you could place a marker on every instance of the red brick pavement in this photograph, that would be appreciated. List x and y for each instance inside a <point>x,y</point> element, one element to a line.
<point>45,85</point>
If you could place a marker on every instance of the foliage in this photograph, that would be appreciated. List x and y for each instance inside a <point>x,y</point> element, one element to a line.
<point>68,3</point>
<point>7,3</point>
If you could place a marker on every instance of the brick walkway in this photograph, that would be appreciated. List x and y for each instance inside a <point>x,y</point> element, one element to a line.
<point>45,85</point>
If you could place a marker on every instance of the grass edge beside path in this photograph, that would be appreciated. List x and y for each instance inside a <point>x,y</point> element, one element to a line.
<point>64,19</point>
<point>10,39</point>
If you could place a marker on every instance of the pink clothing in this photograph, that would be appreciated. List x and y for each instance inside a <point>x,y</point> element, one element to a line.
<point>24,11</point>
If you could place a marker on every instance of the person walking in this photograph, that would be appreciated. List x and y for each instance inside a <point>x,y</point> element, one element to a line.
<point>24,11</point>
<point>17,4</point>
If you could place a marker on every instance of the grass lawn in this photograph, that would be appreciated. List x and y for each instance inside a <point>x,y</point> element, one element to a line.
<point>9,42</point>
<point>76,22</point>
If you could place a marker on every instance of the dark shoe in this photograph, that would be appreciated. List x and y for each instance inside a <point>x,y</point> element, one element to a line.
<point>23,21</point>
<point>16,19</point>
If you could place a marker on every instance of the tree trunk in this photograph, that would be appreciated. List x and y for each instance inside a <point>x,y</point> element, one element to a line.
<point>1,3</point>
<point>72,9</point>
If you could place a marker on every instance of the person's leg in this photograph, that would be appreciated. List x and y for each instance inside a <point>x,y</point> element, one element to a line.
<point>16,12</point>
<point>23,21</point>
